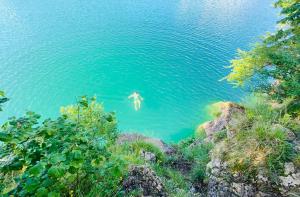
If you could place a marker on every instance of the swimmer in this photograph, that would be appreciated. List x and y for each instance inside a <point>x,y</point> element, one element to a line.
<point>137,99</point>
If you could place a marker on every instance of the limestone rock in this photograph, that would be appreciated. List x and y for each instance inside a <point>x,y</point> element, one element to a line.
<point>144,179</point>
<point>297,146</point>
<point>132,137</point>
<point>223,183</point>
<point>218,186</point>
<point>228,119</point>
<point>242,189</point>
<point>290,182</point>
<point>289,168</point>
<point>148,156</point>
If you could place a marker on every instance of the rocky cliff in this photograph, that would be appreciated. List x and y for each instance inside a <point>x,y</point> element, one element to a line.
<point>222,178</point>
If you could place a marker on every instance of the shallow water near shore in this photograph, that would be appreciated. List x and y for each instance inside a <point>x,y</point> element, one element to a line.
<point>171,51</point>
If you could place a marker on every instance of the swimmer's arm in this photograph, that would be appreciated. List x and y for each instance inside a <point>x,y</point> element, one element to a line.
<point>141,98</point>
<point>130,96</point>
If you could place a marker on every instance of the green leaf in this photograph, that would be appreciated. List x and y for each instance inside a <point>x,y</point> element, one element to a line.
<point>56,172</point>
<point>57,157</point>
<point>2,93</point>
<point>72,170</point>
<point>15,166</point>
<point>84,101</point>
<point>53,194</point>
<point>42,192</point>
<point>31,185</point>
<point>4,137</point>
<point>36,170</point>
<point>76,163</point>
<point>77,154</point>
<point>48,182</point>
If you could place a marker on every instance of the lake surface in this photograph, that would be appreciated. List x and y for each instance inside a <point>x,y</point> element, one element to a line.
<point>172,51</point>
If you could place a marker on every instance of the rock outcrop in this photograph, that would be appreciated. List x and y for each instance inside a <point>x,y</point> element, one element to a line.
<point>229,117</point>
<point>143,179</point>
<point>223,182</point>
<point>148,156</point>
<point>290,181</point>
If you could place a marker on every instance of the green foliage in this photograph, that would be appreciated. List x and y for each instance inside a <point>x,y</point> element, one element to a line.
<point>260,143</point>
<point>197,151</point>
<point>258,108</point>
<point>275,59</point>
<point>201,157</point>
<point>219,136</point>
<point>272,67</point>
<point>91,116</point>
<point>297,160</point>
<point>62,156</point>
<point>172,179</point>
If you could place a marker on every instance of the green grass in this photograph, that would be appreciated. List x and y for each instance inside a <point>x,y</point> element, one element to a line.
<point>258,145</point>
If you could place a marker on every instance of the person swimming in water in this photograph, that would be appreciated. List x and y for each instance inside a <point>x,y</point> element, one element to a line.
<point>137,99</point>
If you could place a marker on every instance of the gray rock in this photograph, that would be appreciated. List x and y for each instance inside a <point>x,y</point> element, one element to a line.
<point>297,146</point>
<point>148,156</point>
<point>144,179</point>
<point>223,183</point>
<point>218,186</point>
<point>262,179</point>
<point>242,189</point>
<point>228,119</point>
<point>289,168</point>
<point>292,180</point>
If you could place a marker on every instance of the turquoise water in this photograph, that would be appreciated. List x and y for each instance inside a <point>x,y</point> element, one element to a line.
<point>172,51</point>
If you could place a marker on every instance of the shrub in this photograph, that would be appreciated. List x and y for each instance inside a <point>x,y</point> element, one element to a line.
<point>259,145</point>
<point>66,156</point>
<point>201,157</point>
<point>171,178</point>
<point>198,154</point>
<point>220,135</point>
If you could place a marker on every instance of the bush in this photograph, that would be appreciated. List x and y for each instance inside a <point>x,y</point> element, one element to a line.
<point>259,145</point>
<point>219,136</point>
<point>201,157</point>
<point>171,178</point>
<point>198,154</point>
<point>66,156</point>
